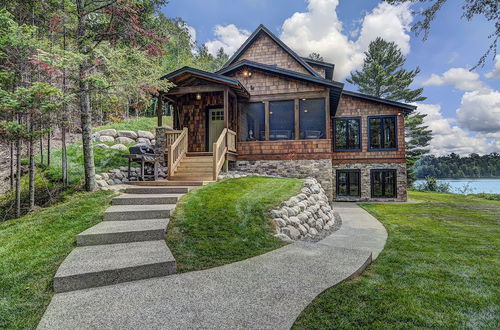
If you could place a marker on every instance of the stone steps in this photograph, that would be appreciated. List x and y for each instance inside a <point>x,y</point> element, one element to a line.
<point>99,265</point>
<point>146,199</point>
<point>137,212</point>
<point>113,232</point>
<point>158,189</point>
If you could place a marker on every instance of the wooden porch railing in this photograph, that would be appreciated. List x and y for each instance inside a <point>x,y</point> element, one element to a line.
<point>171,136</point>
<point>231,140</point>
<point>219,150</point>
<point>177,150</point>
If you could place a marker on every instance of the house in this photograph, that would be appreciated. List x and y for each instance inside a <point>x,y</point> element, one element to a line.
<point>268,110</point>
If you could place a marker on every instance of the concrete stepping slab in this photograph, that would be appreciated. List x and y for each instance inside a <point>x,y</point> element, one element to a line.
<point>100,265</point>
<point>137,212</point>
<point>158,189</point>
<point>112,232</point>
<point>145,199</point>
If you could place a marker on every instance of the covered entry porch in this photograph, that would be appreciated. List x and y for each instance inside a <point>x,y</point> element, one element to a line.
<point>205,114</point>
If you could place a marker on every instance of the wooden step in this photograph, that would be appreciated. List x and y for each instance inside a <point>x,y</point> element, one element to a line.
<point>194,171</point>
<point>199,154</point>
<point>166,183</point>
<point>191,178</point>
<point>197,160</point>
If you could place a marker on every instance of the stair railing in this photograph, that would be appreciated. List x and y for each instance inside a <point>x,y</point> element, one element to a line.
<point>219,150</point>
<point>231,140</point>
<point>177,151</point>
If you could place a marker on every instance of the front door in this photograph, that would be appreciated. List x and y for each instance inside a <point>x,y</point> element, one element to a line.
<point>215,125</point>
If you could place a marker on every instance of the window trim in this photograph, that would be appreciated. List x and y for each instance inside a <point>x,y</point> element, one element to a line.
<point>337,182</point>
<point>373,171</point>
<point>240,110</point>
<point>383,133</point>
<point>360,139</point>
<point>325,120</point>
<point>294,121</point>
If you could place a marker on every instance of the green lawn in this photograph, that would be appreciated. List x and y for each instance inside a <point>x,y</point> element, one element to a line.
<point>439,269</point>
<point>31,249</point>
<point>227,221</point>
<point>139,124</point>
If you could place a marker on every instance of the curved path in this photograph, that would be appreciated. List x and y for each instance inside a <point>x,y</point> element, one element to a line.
<point>264,292</point>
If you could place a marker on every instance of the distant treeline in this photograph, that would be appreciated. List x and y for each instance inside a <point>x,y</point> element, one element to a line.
<point>454,166</point>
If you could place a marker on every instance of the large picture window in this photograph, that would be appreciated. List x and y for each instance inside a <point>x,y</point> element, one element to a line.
<point>312,118</point>
<point>383,183</point>
<point>348,183</point>
<point>252,122</point>
<point>281,120</point>
<point>382,132</point>
<point>347,134</point>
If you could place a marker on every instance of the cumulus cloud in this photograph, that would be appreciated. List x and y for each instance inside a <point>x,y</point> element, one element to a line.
<point>228,37</point>
<point>320,30</point>
<point>449,137</point>
<point>496,70</point>
<point>461,78</point>
<point>480,111</point>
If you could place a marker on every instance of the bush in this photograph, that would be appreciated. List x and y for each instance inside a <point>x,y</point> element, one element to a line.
<point>431,184</point>
<point>491,197</point>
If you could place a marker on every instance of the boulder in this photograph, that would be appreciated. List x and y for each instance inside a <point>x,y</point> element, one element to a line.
<point>302,229</point>
<point>313,231</point>
<point>283,237</point>
<point>276,213</point>
<point>101,146</point>
<point>144,141</point>
<point>108,132</point>
<point>105,176</point>
<point>279,222</point>
<point>95,137</point>
<point>123,139</point>
<point>294,221</point>
<point>106,138</point>
<point>153,142</point>
<point>128,134</point>
<point>291,232</point>
<point>119,147</point>
<point>117,181</point>
<point>145,135</point>
<point>101,183</point>
<point>98,177</point>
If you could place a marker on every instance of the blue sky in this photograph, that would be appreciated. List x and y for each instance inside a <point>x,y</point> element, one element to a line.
<point>463,108</point>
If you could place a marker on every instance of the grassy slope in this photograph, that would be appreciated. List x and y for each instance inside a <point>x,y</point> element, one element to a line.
<point>141,123</point>
<point>440,268</point>
<point>227,221</point>
<point>31,249</point>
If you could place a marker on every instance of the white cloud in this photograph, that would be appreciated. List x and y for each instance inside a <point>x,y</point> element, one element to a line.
<point>449,137</point>
<point>461,78</point>
<point>320,30</point>
<point>192,32</point>
<point>480,111</point>
<point>496,70</point>
<point>228,37</point>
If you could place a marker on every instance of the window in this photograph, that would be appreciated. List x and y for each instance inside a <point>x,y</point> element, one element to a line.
<point>252,122</point>
<point>218,115</point>
<point>383,183</point>
<point>281,120</point>
<point>312,118</point>
<point>348,183</point>
<point>347,134</point>
<point>382,132</point>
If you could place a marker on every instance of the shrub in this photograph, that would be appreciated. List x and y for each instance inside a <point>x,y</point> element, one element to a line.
<point>431,184</point>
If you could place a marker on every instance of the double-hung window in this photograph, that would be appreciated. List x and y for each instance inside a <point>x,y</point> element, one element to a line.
<point>348,183</point>
<point>347,134</point>
<point>382,133</point>
<point>383,183</point>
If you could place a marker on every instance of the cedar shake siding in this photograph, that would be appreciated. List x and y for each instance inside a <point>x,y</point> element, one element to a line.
<point>284,110</point>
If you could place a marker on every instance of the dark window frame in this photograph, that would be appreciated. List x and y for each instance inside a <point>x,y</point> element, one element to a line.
<point>383,132</point>
<point>324,118</point>
<point>256,134</point>
<point>395,184</point>
<point>359,119</point>
<point>292,131</point>
<point>337,172</point>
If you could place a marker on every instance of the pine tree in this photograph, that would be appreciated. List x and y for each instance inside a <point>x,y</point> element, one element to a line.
<point>383,75</point>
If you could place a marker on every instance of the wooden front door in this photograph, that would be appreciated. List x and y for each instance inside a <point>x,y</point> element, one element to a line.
<point>215,125</point>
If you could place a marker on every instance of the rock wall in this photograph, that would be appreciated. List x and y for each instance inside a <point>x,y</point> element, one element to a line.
<point>306,215</point>
<point>320,169</point>
<point>120,176</point>
<point>120,138</point>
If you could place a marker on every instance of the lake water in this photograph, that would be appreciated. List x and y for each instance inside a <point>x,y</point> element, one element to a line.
<point>477,185</point>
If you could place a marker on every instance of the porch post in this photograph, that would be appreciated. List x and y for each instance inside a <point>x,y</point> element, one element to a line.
<point>159,109</point>
<point>226,107</point>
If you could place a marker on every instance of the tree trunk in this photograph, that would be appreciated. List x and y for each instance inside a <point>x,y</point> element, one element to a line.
<point>31,171</point>
<point>41,149</point>
<point>19,147</point>
<point>64,156</point>
<point>49,140</point>
<point>11,165</point>
<point>64,152</point>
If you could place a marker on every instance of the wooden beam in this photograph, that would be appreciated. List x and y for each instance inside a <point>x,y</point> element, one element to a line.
<point>327,115</point>
<point>297,118</point>
<point>266,120</point>
<point>226,107</point>
<point>195,89</point>
<point>159,110</point>
<point>287,96</point>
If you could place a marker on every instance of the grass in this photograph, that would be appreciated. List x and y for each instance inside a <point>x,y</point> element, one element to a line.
<point>440,269</point>
<point>31,249</point>
<point>227,221</point>
<point>138,124</point>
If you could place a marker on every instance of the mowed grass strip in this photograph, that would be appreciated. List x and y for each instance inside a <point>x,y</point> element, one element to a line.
<point>31,250</point>
<point>440,269</point>
<point>227,221</point>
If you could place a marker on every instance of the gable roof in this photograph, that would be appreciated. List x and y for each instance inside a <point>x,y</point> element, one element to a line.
<point>407,108</point>
<point>329,67</point>
<point>262,29</point>
<point>179,75</point>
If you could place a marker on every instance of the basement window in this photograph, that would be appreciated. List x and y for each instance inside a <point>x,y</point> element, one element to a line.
<point>348,183</point>
<point>383,183</point>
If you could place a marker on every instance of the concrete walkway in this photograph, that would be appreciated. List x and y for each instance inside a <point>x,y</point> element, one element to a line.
<point>264,292</point>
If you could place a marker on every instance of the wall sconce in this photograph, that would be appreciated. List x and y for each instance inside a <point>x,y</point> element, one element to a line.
<point>270,112</point>
<point>247,73</point>
<point>399,113</point>
<point>306,110</point>
<point>198,96</point>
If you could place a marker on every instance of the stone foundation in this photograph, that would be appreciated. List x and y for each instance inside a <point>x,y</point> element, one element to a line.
<point>161,143</point>
<point>320,169</point>
<point>365,177</point>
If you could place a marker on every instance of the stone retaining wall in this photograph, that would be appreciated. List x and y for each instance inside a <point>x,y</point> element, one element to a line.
<point>120,138</point>
<point>320,169</point>
<point>306,215</point>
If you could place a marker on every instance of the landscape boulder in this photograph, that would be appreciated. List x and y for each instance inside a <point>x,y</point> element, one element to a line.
<point>106,138</point>
<point>145,135</point>
<point>119,147</point>
<point>128,134</point>
<point>144,141</point>
<point>108,132</point>
<point>101,146</point>
<point>123,139</point>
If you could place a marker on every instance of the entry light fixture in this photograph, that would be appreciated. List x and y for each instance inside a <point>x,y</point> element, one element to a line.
<point>198,96</point>
<point>306,110</point>
<point>247,73</point>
